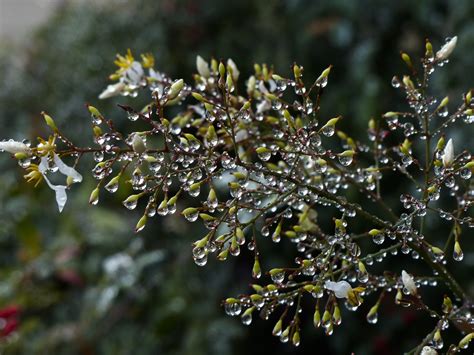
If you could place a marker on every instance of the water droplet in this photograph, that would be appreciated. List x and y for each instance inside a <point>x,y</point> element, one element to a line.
<point>372,317</point>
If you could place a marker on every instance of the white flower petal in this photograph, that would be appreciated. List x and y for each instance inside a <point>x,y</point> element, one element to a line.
<point>14,147</point>
<point>135,73</point>
<point>409,282</point>
<point>67,170</point>
<point>447,49</point>
<point>263,106</point>
<point>60,190</point>
<point>341,289</point>
<point>235,70</point>
<point>112,90</point>
<point>202,67</point>
<point>43,165</point>
<point>448,154</point>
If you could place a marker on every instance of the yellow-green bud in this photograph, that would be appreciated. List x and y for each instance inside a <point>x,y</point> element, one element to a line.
<point>407,60</point>
<point>464,343</point>
<point>141,223</point>
<point>198,96</point>
<point>374,232</point>
<point>443,103</point>
<point>49,121</point>
<point>94,196</point>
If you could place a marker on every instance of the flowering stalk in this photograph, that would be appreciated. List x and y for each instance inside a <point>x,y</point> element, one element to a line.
<point>264,166</point>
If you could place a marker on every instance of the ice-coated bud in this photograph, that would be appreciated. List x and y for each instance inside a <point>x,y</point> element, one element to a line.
<point>374,232</point>
<point>141,224</point>
<point>409,283</point>
<point>332,122</point>
<point>448,154</point>
<point>446,49</point>
<point>94,197</point>
<point>202,67</point>
<point>14,147</point>
<point>175,89</point>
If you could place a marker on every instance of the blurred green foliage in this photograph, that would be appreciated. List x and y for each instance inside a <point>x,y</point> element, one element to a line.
<point>84,283</point>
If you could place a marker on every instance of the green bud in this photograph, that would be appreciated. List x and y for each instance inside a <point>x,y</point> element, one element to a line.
<point>390,114</point>
<point>262,150</point>
<point>223,255</point>
<point>94,197</point>
<point>297,71</point>
<point>20,156</point>
<point>175,89</point>
<point>256,270</point>
<point>317,318</point>
<point>277,328</point>
<point>443,103</point>
<point>206,217</point>
<point>49,121</point>
<point>133,198</point>
<point>296,338</point>
<point>94,112</point>
<point>464,343</point>
<point>441,143</point>
<point>141,224</point>
<point>188,211</point>
<point>347,154</point>
<point>325,73</point>
<point>407,60</point>
<point>408,82</point>
<point>275,271</point>
<point>374,232</point>
<point>198,96</point>
<point>332,121</point>
<point>97,131</point>
<point>447,305</point>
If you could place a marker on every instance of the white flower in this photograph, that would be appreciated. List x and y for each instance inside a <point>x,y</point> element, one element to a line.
<point>134,74</point>
<point>263,106</point>
<point>448,154</point>
<point>112,90</point>
<point>341,289</point>
<point>202,67</point>
<point>447,49</point>
<point>14,147</point>
<point>409,282</point>
<point>428,350</point>
<point>60,190</point>
<point>235,71</point>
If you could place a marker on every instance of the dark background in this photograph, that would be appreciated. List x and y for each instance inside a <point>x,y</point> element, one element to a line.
<point>52,267</point>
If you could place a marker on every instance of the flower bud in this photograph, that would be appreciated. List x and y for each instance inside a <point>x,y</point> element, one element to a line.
<point>49,121</point>
<point>202,67</point>
<point>175,89</point>
<point>446,49</point>
<point>141,224</point>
